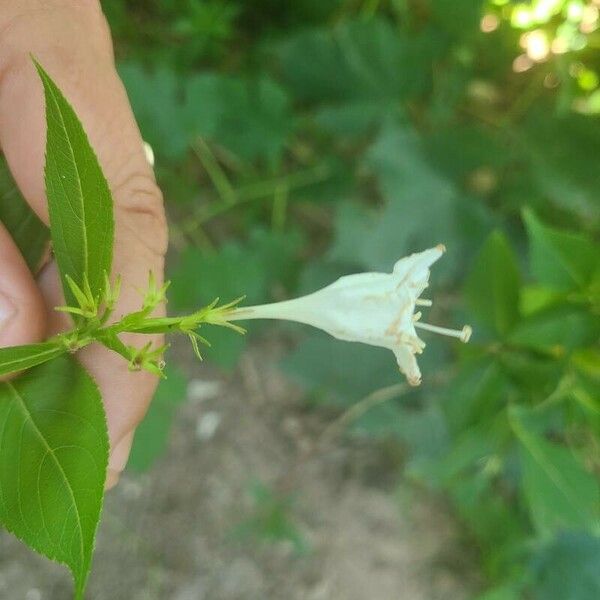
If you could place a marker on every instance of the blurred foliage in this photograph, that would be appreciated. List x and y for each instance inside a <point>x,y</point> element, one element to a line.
<point>270,519</point>
<point>29,233</point>
<point>296,142</point>
<point>152,434</point>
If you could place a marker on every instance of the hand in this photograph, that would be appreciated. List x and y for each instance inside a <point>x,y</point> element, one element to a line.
<point>71,40</point>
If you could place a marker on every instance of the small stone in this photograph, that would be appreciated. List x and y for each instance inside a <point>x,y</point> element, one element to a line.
<point>200,390</point>
<point>207,425</point>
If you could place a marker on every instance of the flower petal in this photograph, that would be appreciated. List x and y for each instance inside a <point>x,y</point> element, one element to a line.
<point>419,262</point>
<point>408,364</point>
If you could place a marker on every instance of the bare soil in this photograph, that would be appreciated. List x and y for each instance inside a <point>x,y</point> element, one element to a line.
<point>170,533</point>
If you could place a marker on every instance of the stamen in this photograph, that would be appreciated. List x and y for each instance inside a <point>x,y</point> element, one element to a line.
<point>415,344</point>
<point>417,316</point>
<point>423,302</point>
<point>463,335</point>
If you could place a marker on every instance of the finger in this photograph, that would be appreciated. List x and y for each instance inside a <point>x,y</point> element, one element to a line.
<point>22,310</point>
<point>73,45</point>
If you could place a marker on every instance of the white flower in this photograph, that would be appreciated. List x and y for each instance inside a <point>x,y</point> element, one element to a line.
<point>372,308</point>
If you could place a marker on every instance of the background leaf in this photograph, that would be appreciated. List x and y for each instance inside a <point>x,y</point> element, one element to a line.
<point>559,492</point>
<point>557,329</point>
<point>156,98</point>
<point>560,259</point>
<point>152,434</point>
<point>249,117</point>
<point>53,457</point>
<point>357,72</point>
<point>568,567</point>
<point>79,200</point>
<point>492,288</point>
<point>565,173</point>
<point>29,234</point>
<point>423,208</point>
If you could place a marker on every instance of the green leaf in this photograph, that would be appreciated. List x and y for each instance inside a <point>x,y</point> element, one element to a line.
<point>559,492</point>
<point>29,234</point>
<point>468,454</point>
<point>359,70</point>
<point>493,285</point>
<point>569,567</point>
<point>18,358</point>
<point>559,329</point>
<point>249,116</point>
<point>53,457</point>
<point>535,298</point>
<point>560,259</point>
<point>156,100</point>
<point>79,199</point>
<point>460,18</point>
<point>562,153</point>
<point>491,518</point>
<point>152,434</point>
<point>476,395</point>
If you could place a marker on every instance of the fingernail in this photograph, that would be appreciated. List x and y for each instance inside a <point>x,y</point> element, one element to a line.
<point>7,311</point>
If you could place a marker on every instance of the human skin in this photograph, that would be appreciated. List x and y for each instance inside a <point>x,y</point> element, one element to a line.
<point>71,40</point>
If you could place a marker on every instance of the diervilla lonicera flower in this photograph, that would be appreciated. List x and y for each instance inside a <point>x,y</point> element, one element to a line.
<point>372,308</point>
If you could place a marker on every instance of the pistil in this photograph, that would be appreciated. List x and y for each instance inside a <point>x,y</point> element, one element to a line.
<point>463,334</point>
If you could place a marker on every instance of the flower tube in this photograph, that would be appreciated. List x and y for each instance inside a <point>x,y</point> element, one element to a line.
<point>373,308</point>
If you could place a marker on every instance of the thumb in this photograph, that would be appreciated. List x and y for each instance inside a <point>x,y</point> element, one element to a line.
<point>72,41</point>
<point>22,310</point>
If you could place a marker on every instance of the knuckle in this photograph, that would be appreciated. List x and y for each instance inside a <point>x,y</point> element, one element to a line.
<point>140,209</point>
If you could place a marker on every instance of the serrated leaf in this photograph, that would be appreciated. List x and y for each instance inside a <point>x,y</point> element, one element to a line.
<point>29,234</point>
<point>53,458</point>
<point>558,491</point>
<point>493,285</point>
<point>560,259</point>
<point>18,358</point>
<point>79,199</point>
